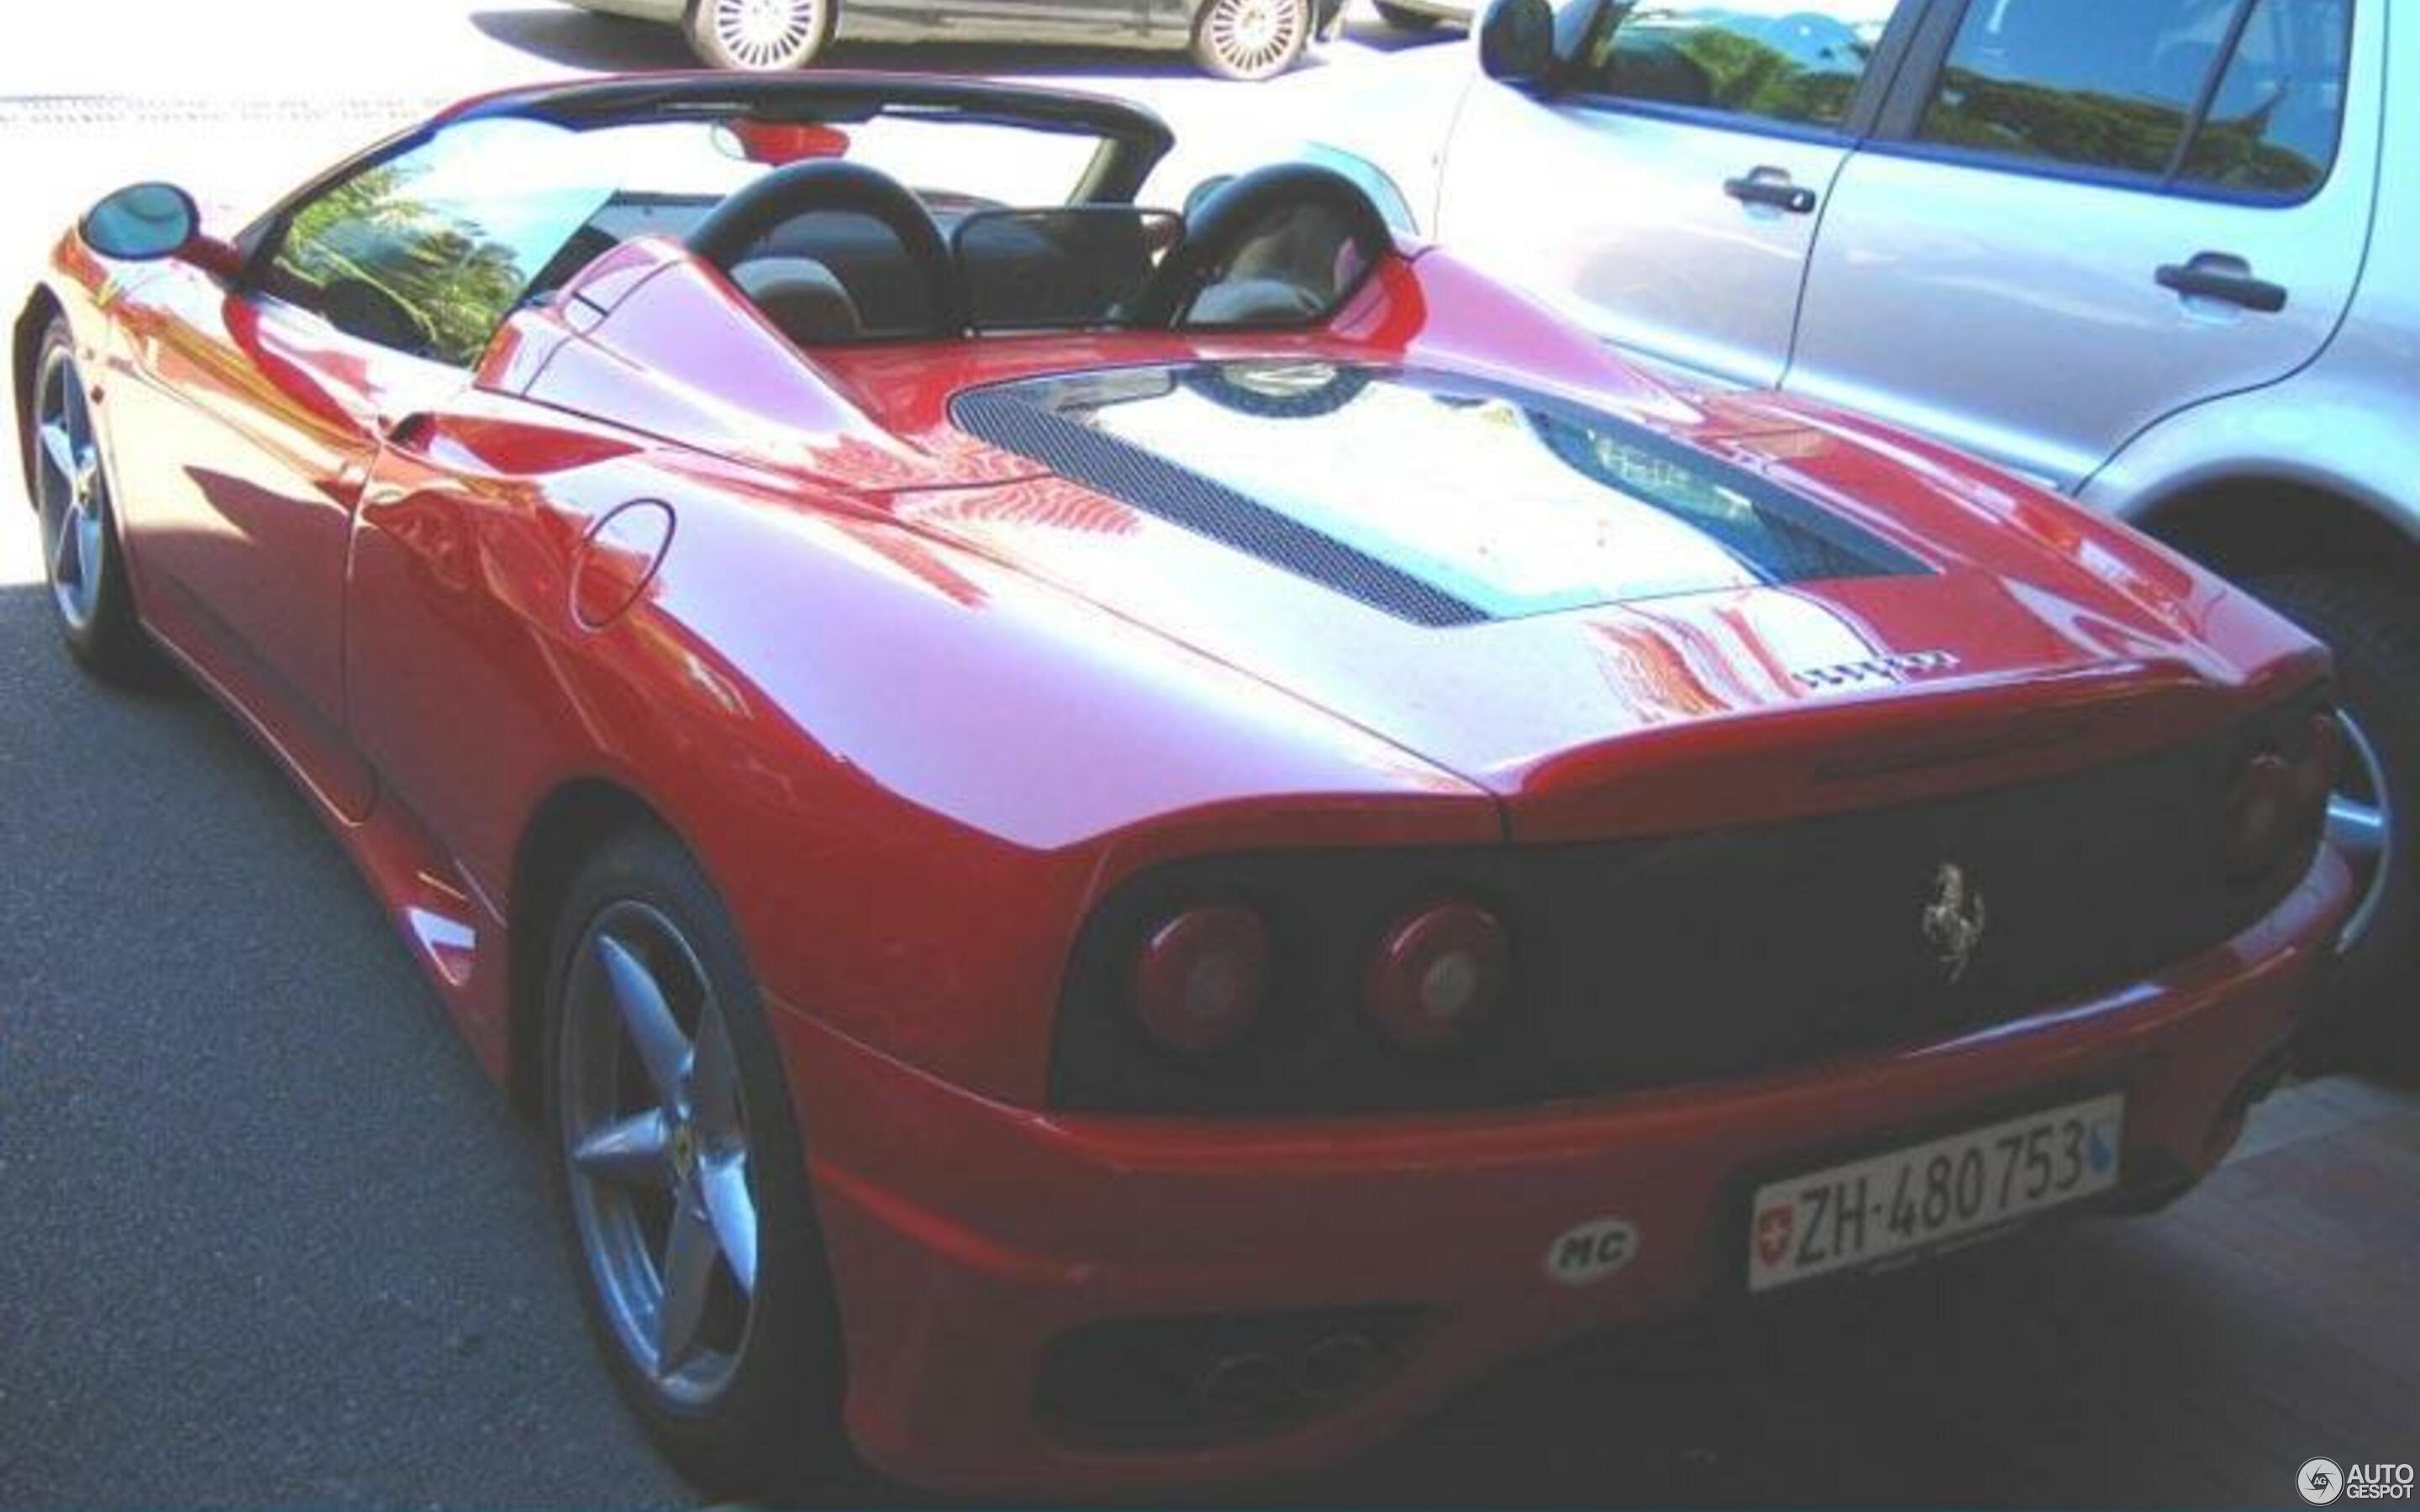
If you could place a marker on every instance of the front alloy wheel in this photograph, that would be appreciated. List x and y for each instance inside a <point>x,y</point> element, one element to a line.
<point>81,558</point>
<point>759,36</point>
<point>1250,38</point>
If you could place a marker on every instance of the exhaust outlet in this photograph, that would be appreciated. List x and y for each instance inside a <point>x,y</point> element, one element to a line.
<point>1334,1365</point>
<point>1242,1384</point>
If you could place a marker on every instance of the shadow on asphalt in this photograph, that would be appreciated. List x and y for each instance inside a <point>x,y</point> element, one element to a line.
<point>579,40</point>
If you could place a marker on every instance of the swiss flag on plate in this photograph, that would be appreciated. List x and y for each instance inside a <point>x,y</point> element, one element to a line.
<point>1774,1227</point>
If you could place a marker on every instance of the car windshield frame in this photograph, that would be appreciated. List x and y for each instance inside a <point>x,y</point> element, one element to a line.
<point>1132,140</point>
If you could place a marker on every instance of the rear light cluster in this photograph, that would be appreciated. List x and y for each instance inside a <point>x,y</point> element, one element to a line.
<point>1201,978</point>
<point>2278,805</point>
<point>1204,977</point>
<point>1322,981</point>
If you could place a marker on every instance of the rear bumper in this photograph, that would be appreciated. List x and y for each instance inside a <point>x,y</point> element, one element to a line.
<point>967,1236</point>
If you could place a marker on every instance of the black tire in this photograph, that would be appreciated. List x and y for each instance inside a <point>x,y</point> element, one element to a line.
<point>1251,39</point>
<point>718,33</point>
<point>2372,622</point>
<point>772,1430</point>
<point>1404,19</point>
<point>96,620</point>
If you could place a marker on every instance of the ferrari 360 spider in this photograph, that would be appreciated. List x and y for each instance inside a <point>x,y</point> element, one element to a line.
<point>1121,847</point>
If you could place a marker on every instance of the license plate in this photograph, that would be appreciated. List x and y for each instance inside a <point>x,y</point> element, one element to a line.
<point>1920,1195</point>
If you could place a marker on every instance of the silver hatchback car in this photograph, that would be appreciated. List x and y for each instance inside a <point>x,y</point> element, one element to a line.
<point>2163,256</point>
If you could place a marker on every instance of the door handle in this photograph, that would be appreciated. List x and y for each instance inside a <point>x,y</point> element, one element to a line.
<point>1771,187</point>
<point>2218,275</point>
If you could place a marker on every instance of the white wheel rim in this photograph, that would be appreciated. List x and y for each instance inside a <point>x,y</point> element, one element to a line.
<point>1253,36</point>
<point>765,34</point>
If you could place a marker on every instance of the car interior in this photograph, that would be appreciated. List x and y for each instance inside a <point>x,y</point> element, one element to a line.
<point>831,251</point>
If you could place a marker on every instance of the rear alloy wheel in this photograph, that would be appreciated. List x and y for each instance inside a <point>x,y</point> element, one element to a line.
<point>759,36</point>
<point>81,558</point>
<point>1404,19</point>
<point>1250,38</point>
<point>2371,623</point>
<point>684,1182</point>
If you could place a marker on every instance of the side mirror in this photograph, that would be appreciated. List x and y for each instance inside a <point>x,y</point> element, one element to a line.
<point>1516,44</point>
<point>145,223</point>
<point>142,222</point>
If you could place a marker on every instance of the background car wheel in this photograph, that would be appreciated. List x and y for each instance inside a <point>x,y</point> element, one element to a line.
<point>684,1181</point>
<point>2373,625</point>
<point>84,566</point>
<point>759,36</point>
<point>1250,38</point>
<point>1407,21</point>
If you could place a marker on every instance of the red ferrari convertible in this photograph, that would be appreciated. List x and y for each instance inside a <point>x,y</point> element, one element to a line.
<point>1122,847</point>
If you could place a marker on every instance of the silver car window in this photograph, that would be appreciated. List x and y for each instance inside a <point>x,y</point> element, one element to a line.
<point>1798,62</point>
<point>2124,88</point>
<point>2274,123</point>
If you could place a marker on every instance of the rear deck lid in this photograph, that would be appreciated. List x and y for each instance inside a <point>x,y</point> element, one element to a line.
<point>1551,599</point>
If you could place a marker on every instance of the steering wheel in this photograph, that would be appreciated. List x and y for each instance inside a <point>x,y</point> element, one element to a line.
<point>744,217</point>
<point>1240,209</point>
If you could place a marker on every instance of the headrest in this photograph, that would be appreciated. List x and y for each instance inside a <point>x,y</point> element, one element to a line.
<point>802,297</point>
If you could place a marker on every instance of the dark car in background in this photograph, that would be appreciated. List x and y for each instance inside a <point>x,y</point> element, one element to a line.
<point>1231,38</point>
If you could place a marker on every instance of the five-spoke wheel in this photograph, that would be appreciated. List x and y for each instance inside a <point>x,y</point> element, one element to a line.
<point>654,1127</point>
<point>685,1184</point>
<point>73,496</point>
<point>71,493</point>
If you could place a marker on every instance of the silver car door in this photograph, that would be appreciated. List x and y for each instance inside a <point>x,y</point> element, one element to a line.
<point>1668,198</point>
<point>2077,218</point>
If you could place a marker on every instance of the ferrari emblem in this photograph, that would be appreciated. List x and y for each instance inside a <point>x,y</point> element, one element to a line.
<point>1954,919</point>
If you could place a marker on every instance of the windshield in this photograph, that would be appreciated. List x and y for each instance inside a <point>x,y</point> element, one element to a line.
<point>428,250</point>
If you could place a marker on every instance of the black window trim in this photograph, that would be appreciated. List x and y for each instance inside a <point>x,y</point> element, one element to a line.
<point>1927,57</point>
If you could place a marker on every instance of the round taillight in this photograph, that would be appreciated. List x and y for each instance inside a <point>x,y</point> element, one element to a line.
<point>1438,975</point>
<point>2259,814</point>
<point>1201,978</point>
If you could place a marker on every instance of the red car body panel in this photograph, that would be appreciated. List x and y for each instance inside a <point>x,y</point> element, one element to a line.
<point>969,1234</point>
<point>918,703</point>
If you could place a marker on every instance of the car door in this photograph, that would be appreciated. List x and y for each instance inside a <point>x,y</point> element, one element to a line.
<point>1668,196</point>
<point>2077,218</point>
<point>368,301</point>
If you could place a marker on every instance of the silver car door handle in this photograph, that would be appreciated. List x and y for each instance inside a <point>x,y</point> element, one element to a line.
<point>2218,276</point>
<point>1770,186</point>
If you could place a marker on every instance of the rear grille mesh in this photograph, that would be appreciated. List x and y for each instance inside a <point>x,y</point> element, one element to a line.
<point>1656,962</point>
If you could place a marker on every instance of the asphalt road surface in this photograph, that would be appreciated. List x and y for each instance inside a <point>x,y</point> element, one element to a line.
<point>268,1236</point>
